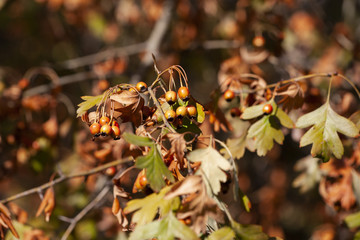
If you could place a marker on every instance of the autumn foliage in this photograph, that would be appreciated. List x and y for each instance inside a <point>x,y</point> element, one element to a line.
<point>161,119</point>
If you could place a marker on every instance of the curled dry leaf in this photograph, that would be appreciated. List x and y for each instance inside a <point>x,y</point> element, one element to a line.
<point>336,187</point>
<point>229,68</point>
<point>196,205</point>
<point>21,214</point>
<point>292,96</point>
<point>178,145</point>
<point>5,221</point>
<point>47,204</point>
<point>253,57</point>
<point>217,118</point>
<point>35,234</point>
<point>51,126</point>
<point>127,106</point>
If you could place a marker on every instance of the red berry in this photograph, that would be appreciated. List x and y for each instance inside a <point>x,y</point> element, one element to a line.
<point>170,97</point>
<point>143,181</point>
<point>170,115</point>
<point>267,109</point>
<point>258,41</point>
<point>235,112</point>
<point>95,128</point>
<point>115,123</point>
<point>104,120</point>
<point>115,130</point>
<point>181,112</point>
<point>191,111</point>
<point>105,130</point>
<point>141,86</point>
<point>229,95</point>
<point>184,93</point>
<point>110,171</point>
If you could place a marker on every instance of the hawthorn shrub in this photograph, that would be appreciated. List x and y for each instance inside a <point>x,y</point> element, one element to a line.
<point>150,157</point>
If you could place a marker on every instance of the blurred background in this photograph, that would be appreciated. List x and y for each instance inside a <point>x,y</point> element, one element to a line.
<point>52,52</point>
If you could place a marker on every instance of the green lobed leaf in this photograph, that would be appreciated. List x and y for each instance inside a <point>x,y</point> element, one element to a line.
<point>200,113</point>
<point>353,220</point>
<point>147,208</point>
<point>212,167</point>
<point>323,134</point>
<point>224,233</point>
<point>89,102</point>
<point>264,132</point>
<point>253,112</point>
<point>167,228</point>
<point>137,140</point>
<point>248,232</point>
<point>155,167</point>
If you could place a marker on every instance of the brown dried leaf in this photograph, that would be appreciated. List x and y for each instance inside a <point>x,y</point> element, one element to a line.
<point>218,118</point>
<point>253,57</point>
<point>20,213</point>
<point>178,145</point>
<point>196,205</point>
<point>336,188</point>
<point>47,204</point>
<point>8,224</point>
<point>293,96</point>
<point>5,210</point>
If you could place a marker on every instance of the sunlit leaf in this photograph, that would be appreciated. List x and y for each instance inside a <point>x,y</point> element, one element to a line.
<point>213,165</point>
<point>89,102</point>
<point>224,233</point>
<point>355,118</point>
<point>323,134</point>
<point>310,176</point>
<point>167,228</point>
<point>353,220</point>
<point>147,208</point>
<point>200,113</point>
<point>265,131</point>
<point>248,232</point>
<point>137,140</point>
<point>155,167</point>
<point>236,147</point>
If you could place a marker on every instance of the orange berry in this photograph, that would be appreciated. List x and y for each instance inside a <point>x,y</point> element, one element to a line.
<point>170,115</point>
<point>170,97</point>
<point>143,181</point>
<point>258,41</point>
<point>184,93</point>
<point>267,109</point>
<point>181,112</point>
<point>115,123</point>
<point>104,120</point>
<point>115,130</point>
<point>110,171</point>
<point>141,86</point>
<point>235,112</point>
<point>229,95</point>
<point>105,130</point>
<point>191,111</point>
<point>95,128</point>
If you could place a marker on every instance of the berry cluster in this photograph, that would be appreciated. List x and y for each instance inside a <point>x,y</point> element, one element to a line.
<point>105,128</point>
<point>181,111</point>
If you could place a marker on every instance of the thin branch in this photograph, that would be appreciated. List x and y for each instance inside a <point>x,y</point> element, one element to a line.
<point>103,55</point>
<point>84,211</point>
<point>64,178</point>
<point>154,41</point>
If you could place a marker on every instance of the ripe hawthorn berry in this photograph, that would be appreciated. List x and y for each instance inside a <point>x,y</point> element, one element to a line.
<point>115,132</point>
<point>184,94</point>
<point>95,128</point>
<point>258,41</point>
<point>267,109</point>
<point>191,111</point>
<point>170,115</point>
<point>170,97</point>
<point>181,112</point>
<point>104,120</point>
<point>235,112</point>
<point>229,95</point>
<point>105,130</point>
<point>141,86</point>
<point>110,171</point>
<point>115,123</point>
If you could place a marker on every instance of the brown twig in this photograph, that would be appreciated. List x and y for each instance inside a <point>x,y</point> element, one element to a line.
<point>64,178</point>
<point>84,211</point>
